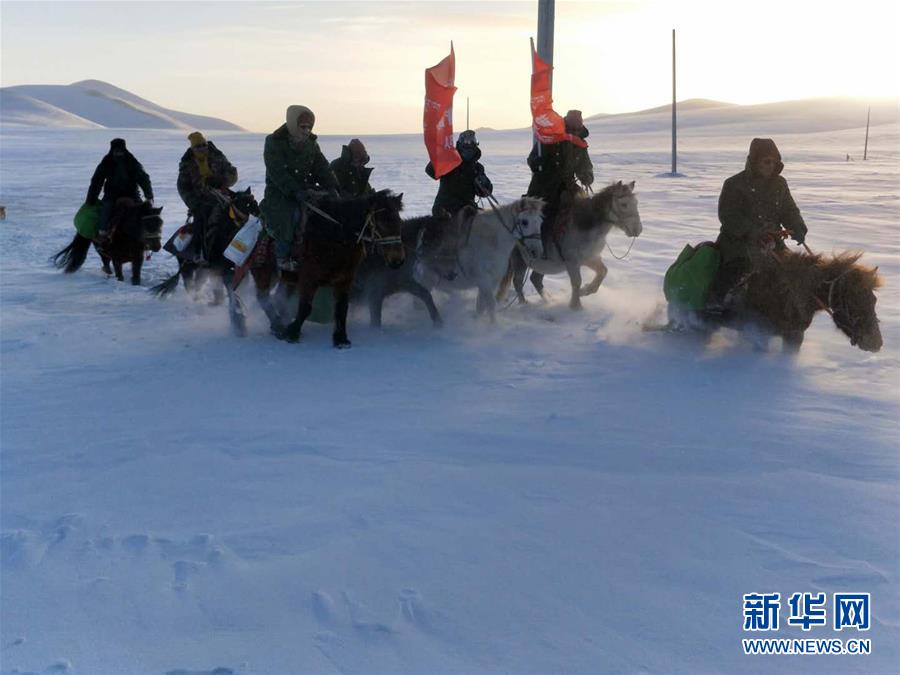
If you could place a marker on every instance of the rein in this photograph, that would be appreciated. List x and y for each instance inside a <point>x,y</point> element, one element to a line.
<point>515,231</point>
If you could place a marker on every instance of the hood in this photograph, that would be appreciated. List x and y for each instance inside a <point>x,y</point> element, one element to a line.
<point>282,132</point>
<point>295,113</point>
<point>762,147</point>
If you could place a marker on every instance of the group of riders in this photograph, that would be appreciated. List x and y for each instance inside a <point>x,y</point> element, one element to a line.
<point>756,210</point>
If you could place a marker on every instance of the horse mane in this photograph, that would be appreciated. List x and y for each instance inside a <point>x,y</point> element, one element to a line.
<point>832,267</point>
<point>583,208</point>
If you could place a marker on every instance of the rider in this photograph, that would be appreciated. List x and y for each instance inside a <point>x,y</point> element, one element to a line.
<point>459,187</point>
<point>555,168</point>
<point>351,171</point>
<point>754,206</point>
<point>294,167</point>
<point>203,168</point>
<point>120,175</point>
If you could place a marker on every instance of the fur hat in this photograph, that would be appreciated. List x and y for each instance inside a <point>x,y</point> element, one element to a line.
<point>117,144</point>
<point>574,121</point>
<point>764,147</point>
<point>297,114</point>
<point>196,139</point>
<point>358,151</point>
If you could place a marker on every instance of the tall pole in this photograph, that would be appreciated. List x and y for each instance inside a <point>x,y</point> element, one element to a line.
<point>467,112</point>
<point>546,12</point>
<point>866,148</point>
<point>674,128</point>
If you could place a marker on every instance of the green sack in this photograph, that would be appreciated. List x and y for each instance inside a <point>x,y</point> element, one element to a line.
<point>322,306</point>
<point>87,220</point>
<point>689,278</point>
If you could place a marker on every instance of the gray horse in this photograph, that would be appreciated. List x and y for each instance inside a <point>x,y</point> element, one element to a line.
<point>586,225</point>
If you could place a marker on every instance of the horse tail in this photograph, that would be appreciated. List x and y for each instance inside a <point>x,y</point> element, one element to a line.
<point>503,288</point>
<point>163,289</point>
<point>72,257</point>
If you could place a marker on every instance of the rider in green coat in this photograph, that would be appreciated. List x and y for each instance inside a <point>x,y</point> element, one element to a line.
<point>295,166</point>
<point>351,171</point>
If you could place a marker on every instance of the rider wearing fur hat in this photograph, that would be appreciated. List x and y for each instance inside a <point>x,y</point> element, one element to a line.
<point>295,166</point>
<point>555,167</point>
<point>118,174</point>
<point>351,171</point>
<point>202,169</point>
<point>755,209</point>
<point>459,187</point>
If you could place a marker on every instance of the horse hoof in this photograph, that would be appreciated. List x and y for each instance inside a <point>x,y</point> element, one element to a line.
<point>342,343</point>
<point>575,306</point>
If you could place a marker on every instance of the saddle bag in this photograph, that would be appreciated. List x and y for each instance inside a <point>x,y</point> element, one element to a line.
<point>87,220</point>
<point>690,277</point>
<point>242,245</point>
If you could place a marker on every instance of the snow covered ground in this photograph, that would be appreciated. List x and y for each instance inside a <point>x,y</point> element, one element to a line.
<point>558,492</point>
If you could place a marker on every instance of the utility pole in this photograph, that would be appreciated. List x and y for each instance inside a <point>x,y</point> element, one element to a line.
<point>868,116</point>
<point>674,128</point>
<point>546,12</point>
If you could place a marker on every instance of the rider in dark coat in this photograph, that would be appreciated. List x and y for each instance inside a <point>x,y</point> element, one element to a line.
<point>755,208</point>
<point>202,169</point>
<point>459,187</point>
<point>351,171</point>
<point>295,166</point>
<point>118,174</point>
<point>554,170</point>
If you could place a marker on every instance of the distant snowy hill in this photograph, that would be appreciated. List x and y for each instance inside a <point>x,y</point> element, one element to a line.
<point>714,117</point>
<point>93,104</point>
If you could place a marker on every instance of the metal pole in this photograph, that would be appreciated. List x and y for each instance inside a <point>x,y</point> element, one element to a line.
<point>546,13</point>
<point>467,112</point>
<point>674,127</point>
<point>866,148</point>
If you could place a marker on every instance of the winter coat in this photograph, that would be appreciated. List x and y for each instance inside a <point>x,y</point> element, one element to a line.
<point>193,188</point>
<point>555,167</point>
<point>459,187</point>
<point>119,177</point>
<point>353,180</point>
<point>291,172</point>
<point>751,206</point>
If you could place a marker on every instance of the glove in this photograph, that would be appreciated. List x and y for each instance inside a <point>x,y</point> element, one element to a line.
<point>483,187</point>
<point>800,237</point>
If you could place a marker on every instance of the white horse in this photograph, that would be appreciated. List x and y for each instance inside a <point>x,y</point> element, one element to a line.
<point>586,225</point>
<point>486,242</point>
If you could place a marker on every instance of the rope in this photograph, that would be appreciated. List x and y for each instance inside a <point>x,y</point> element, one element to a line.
<point>626,252</point>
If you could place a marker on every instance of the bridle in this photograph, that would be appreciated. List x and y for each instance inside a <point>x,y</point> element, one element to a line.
<point>516,230</point>
<point>370,233</point>
<point>850,326</point>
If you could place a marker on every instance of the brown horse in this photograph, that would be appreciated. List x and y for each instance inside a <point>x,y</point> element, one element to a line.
<point>336,239</point>
<point>783,294</point>
<point>137,228</point>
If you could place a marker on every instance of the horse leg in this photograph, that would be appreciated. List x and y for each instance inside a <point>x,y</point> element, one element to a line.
<point>105,260</point>
<point>600,271</point>
<point>117,266</point>
<point>486,302</point>
<point>341,304</point>
<point>425,296</point>
<point>136,264</point>
<point>235,305</point>
<point>792,341</point>
<point>291,333</point>
<point>518,275</point>
<point>574,270</point>
<point>537,280</point>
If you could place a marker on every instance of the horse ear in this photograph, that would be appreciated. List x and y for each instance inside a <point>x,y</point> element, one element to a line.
<point>631,185</point>
<point>400,197</point>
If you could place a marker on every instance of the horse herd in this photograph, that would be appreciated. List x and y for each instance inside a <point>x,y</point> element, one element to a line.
<point>363,249</point>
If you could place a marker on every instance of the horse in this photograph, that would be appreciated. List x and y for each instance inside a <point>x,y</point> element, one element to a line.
<point>585,227</point>
<point>428,240</point>
<point>336,238</point>
<point>237,207</point>
<point>785,290</point>
<point>137,227</point>
<point>483,257</point>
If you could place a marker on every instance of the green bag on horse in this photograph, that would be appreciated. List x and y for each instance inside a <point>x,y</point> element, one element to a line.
<point>689,278</point>
<point>87,220</point>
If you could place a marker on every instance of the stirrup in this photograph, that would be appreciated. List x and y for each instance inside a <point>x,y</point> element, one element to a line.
<point>287,265</point>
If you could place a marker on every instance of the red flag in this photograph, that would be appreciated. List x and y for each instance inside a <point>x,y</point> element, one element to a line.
<point>548,125</point>
<point>438,118</point>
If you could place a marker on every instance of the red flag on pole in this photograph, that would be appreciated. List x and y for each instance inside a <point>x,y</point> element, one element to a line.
<point>438,116</point>
<point>549,126</point>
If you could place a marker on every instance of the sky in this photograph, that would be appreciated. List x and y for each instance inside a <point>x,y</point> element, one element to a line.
<point>360,65</point>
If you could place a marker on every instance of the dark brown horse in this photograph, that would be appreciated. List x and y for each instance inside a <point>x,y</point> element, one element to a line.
<point>137,227</point>
<point>337,236</point>
<point>783,294</point>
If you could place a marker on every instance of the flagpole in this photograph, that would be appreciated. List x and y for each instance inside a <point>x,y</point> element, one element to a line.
<point>674,127</point>
<point>866,148</point>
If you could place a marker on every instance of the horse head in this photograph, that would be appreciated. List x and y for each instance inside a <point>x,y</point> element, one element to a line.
<point>528,215</point>
<point>618,204</point>
<point>243,205</point>
<point>386,224</point>
<point>851,299</point>
<point>151,224</point>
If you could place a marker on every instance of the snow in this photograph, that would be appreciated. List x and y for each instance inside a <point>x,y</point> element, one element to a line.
<point>558,492</point>
<point>94,103</point>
